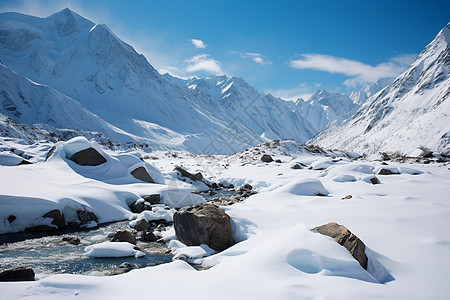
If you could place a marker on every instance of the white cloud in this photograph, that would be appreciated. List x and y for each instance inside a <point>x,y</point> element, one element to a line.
<point>198,43</point>
<point>360,73</point>
<point>303,90</point>
<point>256,57</point>
<point>204,62</point>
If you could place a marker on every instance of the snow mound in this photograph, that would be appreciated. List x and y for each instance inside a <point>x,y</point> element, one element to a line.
<point>9,159</point>
<point>344,178</point>
<point>304,187</point>
<point>113,249</point>
<point>321,164</point>
<point>190,253</point>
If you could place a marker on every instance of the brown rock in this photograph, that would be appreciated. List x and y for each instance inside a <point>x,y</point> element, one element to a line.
<point>17,274</point>
<point>88,157</point>
<point>387,172</point>
<point>296,167</point>
<point>148,236</point>
<point>267,158</point>
<point>142,174</point>
<point>124,236</point>
<point>184,173</point>
<point>204,224</point>
<point>141,225</point>
<point>347,197</point>
<point>345,238</point>
<point>86,216</point>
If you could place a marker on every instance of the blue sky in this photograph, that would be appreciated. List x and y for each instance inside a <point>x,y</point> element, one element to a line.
<point>288,48</point>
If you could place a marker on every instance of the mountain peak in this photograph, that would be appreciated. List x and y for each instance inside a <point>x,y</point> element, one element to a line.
<point>67,21</point>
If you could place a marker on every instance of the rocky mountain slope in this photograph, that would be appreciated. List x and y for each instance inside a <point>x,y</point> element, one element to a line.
<point>414,111</point>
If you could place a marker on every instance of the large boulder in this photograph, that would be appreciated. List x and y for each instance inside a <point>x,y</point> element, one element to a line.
<point>124,236</point>
<point>142,174</point>
<point>17,274</point>
<point>345,238</point>
<point>203,224</point>
<point>88,157</point>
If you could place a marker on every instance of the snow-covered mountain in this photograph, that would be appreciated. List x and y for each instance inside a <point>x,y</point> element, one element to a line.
<point>324,108</point>
<point>414,111</point>
<point>88,63</point>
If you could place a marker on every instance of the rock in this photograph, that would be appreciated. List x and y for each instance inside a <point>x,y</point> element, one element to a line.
<point>161,227</point>
<point>50,153</point>
<point>278,161</point>
<point>148,236</point>
<point>184,173</point>
<point>141,225</point>
<point>345,238</point>
<point>267,158</point>
<point>17,274</point>
<point>88,157</point>
<point>203,224</point>
<point>11,218</point>
<point>25,162</point>
<point>142,174</point>
<point>296,167</point>
<point>374,180</point>
<point>123,268</point>
<point>58,218</point>
<point>58,221</point>
<point>153,199</point>
<point>124,236</point>
<point>139,206</point>
<point>86,216</point>
<point>387,172</point>
<point>71,240</point>
<point>384,163</point>
<point>347,197</point>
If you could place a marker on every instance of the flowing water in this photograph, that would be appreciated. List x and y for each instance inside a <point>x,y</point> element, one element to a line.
<point>50,254</point>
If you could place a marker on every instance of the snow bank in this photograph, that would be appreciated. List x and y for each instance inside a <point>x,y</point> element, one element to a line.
<point>304,187</point>
<point>112,249</point>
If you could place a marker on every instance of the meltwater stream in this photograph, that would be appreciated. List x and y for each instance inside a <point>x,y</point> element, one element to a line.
<point>49,254</point>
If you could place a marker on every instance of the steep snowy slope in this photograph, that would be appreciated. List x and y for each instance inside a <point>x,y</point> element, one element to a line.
<point>324,108</point>
<point>268,117</point>
<point>90,64</point>
<point>414,111</point>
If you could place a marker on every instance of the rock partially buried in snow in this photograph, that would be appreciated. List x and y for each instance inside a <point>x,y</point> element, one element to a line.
<point>371,179</point>
<point>267,158</point>
<point>86,216</point>
<point>305,187</point>
<point>153,199</point>
<point>88,157</point>
<point>142,174</point>
<point>388,171</point>
<point>58,222</point>
<point>17,274</point>
<point>139,206</point>
<point>204,224</point>
<point>194,177</point>
<point>345,238</point>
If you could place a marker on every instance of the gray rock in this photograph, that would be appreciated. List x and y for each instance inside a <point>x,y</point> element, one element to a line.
<point>148,236</point>
<point>123,268</point>
<point>142,174</point>
<point>204,224</point>
<point>124,236</point>
<point>141,225</point>
<point>153,199</point>
<point>17,274</point>
<point>58,221</point>
<point>139,206</point>
<point>88,157</point>
<point>11,218</point>
<point>194,177</point>
<point>345,238</point>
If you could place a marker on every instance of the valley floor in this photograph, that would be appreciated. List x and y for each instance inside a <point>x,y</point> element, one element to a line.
<point>403,222</point>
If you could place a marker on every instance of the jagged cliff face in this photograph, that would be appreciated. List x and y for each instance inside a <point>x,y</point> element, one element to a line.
<point>414,111</point>
<point>91,65</point>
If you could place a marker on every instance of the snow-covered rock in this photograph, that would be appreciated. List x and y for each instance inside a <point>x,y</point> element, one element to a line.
<point>113,249</point>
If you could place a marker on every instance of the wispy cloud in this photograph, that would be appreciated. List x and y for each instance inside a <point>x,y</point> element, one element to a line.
<point>204,62</point>
<point>256,57</point>
<point>359,72</point>
<point>303,90</point>
<point>198,43</point>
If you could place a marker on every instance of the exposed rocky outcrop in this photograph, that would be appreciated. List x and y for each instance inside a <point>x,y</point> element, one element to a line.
<point>88,157</point>
<point>204,224</point>
<point>345,238</point>
<point>194,177</point>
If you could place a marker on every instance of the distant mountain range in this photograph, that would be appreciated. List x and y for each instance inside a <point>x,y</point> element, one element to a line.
<point>63,76</point>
